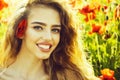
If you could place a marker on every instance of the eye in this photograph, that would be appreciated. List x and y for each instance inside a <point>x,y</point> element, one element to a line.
<point>38,28</point>
<point>56,30</point>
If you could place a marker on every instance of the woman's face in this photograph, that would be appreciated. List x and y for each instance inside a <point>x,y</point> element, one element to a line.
<point>43,32</point>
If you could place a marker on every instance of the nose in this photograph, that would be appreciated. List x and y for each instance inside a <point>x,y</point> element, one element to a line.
<point>47,36</point>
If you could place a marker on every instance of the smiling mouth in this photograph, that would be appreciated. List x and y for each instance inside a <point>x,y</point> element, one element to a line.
<point>44,47</point>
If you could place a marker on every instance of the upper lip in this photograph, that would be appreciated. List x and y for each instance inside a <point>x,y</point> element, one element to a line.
<point>44,43</point>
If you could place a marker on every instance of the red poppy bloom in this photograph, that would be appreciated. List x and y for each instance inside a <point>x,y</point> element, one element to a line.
<point>85,10</point>
<point>3,4</point>
<point>86,18</point>
<point>97,29</point>
<point>88,12</point>
<point>90,16</point>
<point>107,74</point>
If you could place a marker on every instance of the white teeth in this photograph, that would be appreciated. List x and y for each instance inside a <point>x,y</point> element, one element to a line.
<point>44,46</point>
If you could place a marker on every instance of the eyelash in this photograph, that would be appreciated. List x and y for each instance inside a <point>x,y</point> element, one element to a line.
<point>38,28</point>
<point>56,30</point>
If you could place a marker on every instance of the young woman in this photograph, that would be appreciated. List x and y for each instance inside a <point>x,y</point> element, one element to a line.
<point>41,44</point>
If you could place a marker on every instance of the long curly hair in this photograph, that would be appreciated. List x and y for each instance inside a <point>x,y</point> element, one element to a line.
<point>67,61</point>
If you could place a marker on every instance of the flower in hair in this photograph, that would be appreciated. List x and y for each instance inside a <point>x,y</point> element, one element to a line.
<point>21,28</point>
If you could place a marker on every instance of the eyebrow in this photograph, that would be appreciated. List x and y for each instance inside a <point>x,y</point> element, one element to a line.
<point>41,23</point>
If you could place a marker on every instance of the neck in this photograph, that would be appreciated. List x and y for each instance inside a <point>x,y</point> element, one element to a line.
<point>27,64</point>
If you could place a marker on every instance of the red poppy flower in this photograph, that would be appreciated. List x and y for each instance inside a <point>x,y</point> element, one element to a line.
<point>85,10</point>
<point>88,12</point>
<point>21,28</point>
<point>3,4</point>
<point>97,29</point>
<point>86,18</point>
<point>107,74</point>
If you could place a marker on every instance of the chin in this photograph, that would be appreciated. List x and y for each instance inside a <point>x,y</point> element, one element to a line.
<point>43,57</point>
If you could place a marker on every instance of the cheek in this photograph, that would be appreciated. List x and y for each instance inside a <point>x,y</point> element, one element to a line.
<point>30,35</point>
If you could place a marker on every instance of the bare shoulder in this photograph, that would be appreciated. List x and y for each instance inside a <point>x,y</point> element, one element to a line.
<point>2,71</point>
<point>6,74</point>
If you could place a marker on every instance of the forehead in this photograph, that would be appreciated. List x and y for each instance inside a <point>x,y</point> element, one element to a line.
<point>41,7</point>
<point>44,13</point>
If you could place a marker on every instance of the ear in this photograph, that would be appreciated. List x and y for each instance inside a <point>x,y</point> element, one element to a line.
<point>21,28</point>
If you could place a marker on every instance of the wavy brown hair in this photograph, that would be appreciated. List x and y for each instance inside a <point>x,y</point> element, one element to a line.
<point>67,61</point>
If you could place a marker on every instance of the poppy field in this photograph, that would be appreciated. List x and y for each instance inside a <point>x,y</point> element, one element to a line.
<point>100,28</point>
<point>99,23</point>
